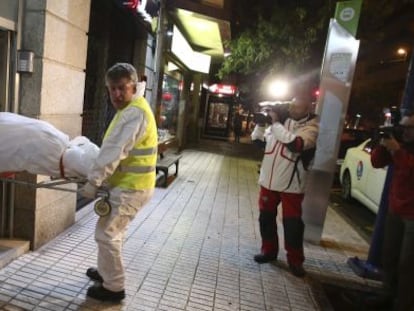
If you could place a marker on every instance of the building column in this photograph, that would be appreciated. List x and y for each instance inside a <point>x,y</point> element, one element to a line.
<point>56,31</point>
<point>194,110</point>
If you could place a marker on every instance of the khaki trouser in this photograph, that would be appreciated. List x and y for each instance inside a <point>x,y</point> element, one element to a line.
<point>110,233</point>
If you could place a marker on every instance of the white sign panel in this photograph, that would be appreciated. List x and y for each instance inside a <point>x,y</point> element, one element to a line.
<point>193,60</point>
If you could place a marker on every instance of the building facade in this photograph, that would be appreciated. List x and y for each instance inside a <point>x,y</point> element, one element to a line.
<point>54,57</point>
<point>48,85</point>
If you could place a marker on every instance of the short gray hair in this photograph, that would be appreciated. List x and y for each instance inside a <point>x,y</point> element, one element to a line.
<point>121,70</point>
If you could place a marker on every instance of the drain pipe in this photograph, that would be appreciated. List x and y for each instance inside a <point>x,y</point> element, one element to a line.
<point>159,54</point>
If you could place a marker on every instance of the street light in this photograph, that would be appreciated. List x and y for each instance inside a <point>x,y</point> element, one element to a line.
<point>402,52</point>
<point>402,57</point>
<point>278,88</point>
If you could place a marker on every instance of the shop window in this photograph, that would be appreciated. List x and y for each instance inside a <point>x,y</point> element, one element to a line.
<point>169,106</point>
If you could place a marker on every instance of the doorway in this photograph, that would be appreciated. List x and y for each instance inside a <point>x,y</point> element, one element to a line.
<point>4,69</point>
<point>6,214</point>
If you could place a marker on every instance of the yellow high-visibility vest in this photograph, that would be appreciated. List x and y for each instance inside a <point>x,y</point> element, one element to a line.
<point>137,171</point>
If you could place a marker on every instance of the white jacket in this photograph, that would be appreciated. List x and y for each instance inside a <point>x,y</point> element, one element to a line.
<point>280,170</point>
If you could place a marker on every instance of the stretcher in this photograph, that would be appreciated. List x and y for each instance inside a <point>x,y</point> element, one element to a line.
<point>54,184</point>
<point>102,206</point>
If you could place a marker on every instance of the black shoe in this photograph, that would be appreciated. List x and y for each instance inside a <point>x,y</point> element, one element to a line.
<point>297,271</point>
<point>93,274</point>
<point>101,293</point>
<point>263,258</point>
<point>378,301</point>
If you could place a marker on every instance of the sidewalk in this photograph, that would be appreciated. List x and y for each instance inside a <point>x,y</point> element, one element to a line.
<point>190,248</point>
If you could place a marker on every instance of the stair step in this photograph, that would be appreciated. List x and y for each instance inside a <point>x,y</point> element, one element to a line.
<point>11,249</point>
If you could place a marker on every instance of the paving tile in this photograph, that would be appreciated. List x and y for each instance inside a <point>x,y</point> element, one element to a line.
<point>190,248</point>
<point>24,304</point>
<point>10,307</point>
<point>4,298</point>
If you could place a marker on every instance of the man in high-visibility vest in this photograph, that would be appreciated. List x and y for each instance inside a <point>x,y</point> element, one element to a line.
<point>126,165</point>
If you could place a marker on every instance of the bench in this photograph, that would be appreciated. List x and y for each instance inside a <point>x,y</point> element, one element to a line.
<point>166,159</point>
<point>163,165</point>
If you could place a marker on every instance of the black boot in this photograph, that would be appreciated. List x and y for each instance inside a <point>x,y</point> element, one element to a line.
<point>263,258</point>
<point>93,274</point>
<point>101,293</point>
<point>297,271</point>
<point>379,301</point>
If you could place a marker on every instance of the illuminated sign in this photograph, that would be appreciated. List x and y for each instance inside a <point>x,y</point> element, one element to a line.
<point>146,8</point>
<point>132,4</point>
<point>193,60</point>
<point>225,89</point>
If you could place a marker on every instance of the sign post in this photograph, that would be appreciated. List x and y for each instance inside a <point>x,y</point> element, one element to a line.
<point>335,87</point>
<point>347,15</point>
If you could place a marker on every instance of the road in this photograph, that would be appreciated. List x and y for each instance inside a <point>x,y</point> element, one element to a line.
<point>357,215</point>
<point>363,221</point>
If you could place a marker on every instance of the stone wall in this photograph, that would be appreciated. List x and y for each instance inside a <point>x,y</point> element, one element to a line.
<point>56,30</point>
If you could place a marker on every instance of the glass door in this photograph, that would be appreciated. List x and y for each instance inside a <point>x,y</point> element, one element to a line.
<point>168,122</point>
<point>217,119</point>
<point>4,69</point>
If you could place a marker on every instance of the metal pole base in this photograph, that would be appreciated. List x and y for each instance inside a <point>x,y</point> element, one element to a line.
<point>364,269</point>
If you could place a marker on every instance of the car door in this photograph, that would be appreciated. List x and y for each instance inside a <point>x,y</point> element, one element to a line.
<point>361,170</point>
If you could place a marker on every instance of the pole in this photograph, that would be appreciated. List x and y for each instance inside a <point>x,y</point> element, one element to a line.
<point>371,268</point>
<point>407,104</point>
<point>159,52</point>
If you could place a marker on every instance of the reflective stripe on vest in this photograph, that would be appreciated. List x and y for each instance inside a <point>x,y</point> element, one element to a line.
<point>137,171</point>
<point>144,151</point>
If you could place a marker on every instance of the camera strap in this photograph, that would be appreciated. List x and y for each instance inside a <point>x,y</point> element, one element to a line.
<point>306,157</point>
<point>294,172</point>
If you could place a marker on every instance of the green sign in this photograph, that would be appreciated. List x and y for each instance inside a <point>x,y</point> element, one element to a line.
<point>347,15</point>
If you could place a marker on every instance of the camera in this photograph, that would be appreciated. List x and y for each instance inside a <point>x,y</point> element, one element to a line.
<point>280,108</point>
<point>262,118</point>
<point>390,131</point>
<point>282,111</point>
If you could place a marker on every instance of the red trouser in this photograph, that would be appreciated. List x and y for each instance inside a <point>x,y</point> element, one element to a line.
<point>292,224</point>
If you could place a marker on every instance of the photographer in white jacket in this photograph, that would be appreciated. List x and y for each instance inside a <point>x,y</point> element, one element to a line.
<point>290,144</point>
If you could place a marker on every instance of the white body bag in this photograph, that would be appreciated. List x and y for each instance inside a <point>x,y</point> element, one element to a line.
<point>35,146</point>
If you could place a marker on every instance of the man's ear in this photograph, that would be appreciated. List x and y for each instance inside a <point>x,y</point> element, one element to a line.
<point>135,88</point>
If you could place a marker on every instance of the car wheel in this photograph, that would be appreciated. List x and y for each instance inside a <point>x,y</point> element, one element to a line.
<point>346,186</point>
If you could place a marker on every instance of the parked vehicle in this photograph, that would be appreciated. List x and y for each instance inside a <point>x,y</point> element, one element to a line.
<point>359,180</point>
<point>351,138</point>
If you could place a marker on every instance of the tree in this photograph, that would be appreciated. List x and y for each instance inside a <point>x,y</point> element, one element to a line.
<point>280,40</point>
<point>380,77</point>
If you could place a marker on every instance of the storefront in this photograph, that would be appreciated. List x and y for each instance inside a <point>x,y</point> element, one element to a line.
<point>182,71</point>
<point>220,104</point>
<point>118,32</point>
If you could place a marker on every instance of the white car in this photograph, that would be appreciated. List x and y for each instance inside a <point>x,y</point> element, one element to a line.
<point>359,179</point>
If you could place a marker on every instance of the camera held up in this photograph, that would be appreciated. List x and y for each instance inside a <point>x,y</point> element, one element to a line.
<point>280,108</point>
<point>391,127</point>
